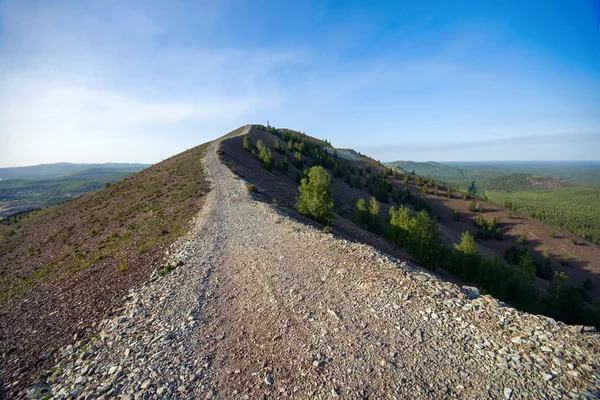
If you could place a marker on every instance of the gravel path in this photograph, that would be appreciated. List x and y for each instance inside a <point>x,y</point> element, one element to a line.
<point>261,306</point>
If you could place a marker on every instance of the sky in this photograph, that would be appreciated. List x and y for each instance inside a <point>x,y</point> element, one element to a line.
<point>140,81</point>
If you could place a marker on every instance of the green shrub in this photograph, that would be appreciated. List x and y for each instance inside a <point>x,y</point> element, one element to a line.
<point>522,239</point>
<point>472,206</point>
<point>315,196</point>
<point>564,260</point>
<point>552,234</point>
<point>252,188</point>
<point>574,240</point>
<point>455,215</point>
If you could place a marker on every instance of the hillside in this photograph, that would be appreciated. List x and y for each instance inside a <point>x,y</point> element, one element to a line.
<point>562,204</point>
<point>346,154</point>
<point>559,199</point>
<point>459,177</point>
<point>65,268</point>
<point>258,301</point>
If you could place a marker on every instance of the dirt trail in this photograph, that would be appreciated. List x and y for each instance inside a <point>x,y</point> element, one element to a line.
<point>263,306</point>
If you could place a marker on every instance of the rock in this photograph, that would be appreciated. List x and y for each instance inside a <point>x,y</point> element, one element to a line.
<point>160,391</point>
<point>547,377</point>
<point>127,352</point>
<point>588,329</point>
<point>113,369</point>
<point>517,340</point>
<point>209,395</point>
<point>508,393</point>
<point>38,391</point>
<point>269,379</point>
<point>419,335</point>
<point>470,291</point>
<point>145,384</point>
<point>576,329</point>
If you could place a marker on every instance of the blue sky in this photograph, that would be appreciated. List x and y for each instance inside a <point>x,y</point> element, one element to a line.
<point>139,81</point>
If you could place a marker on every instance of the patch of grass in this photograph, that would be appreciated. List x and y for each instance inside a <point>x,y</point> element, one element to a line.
<point>166,269</point>
<point>122,268</point>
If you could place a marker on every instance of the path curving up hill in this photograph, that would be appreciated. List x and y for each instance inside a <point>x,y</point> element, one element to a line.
<point>261,306</point>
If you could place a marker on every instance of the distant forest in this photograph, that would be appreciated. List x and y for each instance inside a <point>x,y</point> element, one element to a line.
<point>567,195</point>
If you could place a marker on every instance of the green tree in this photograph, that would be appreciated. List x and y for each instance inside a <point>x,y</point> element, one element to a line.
<point>466,258</point>
<point>522,289</point>
<point>315,196</point>
<point>425,243</point>
<point>562,300</point>
<point>425,189</point>
<point>449,192</point>
<point>283,164</point>
<point>361,213</point>
<point>467,244</point>
<point>298,160</point>
<point>358,181</point>
<point>405,179</point>
<point>374,221</point>
<point>247,143</point>
<point>435,190</point>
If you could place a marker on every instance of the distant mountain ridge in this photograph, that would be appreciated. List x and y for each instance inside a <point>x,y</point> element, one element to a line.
<point>57,170</point>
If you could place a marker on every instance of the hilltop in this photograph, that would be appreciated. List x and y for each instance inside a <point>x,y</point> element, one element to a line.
<point>256,300</point>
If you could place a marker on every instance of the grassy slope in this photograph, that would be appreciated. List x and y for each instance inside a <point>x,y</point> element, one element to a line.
<point>64,268</point>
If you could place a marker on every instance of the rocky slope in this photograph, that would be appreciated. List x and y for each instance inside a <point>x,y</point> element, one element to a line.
<point>262,306</point>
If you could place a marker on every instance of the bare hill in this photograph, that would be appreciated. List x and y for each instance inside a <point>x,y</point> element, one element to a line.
<point>259,302</point>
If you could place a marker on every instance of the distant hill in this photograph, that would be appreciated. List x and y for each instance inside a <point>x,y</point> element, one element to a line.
<point>39,186</point>
<point>346,154</point>
<point>446,173</point>
<point>522,181</point>
<point>57,170</point>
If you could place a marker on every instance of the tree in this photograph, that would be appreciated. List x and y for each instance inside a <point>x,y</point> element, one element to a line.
<point>435,189</point>
<point>247,143</point>
<point>562,300</point>
<point>449,192</point>
<point>315,196</point>
<point>424,242</point>
<point>466,258</point>
<point>425,189</point>
<point>405,179</point>
<point>298,160</point>
<point>361,213</point>
<point>283,164</point>
<point>358,181</point>
<point>374,222</point>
